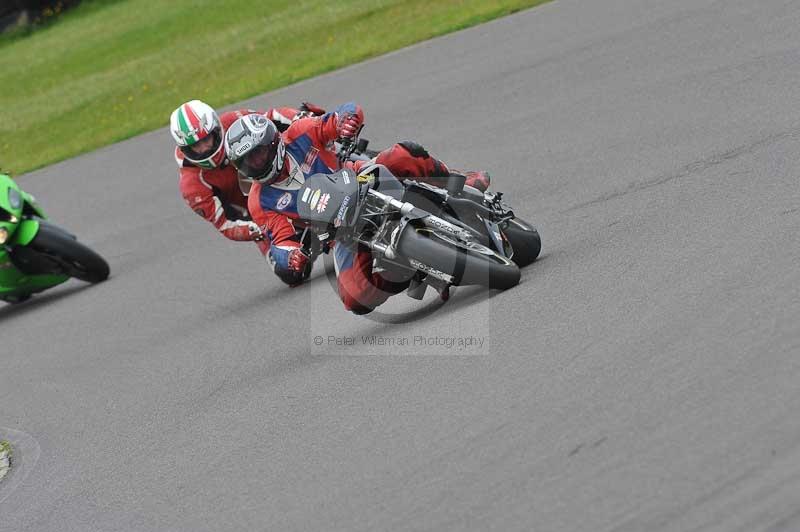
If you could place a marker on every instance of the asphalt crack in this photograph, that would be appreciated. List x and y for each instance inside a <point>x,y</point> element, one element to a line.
<point>693,168</point>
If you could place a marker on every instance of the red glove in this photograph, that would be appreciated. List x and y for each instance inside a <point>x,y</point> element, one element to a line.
<point>255,232</point>
<point>350,125</point>
<point>297,260</point>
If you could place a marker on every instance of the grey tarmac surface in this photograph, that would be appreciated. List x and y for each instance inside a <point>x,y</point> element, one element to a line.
<point>645,375</point>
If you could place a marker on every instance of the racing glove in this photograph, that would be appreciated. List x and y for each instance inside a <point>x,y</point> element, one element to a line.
<point>297,260</point>
<point>349,124</point>
<point>255,231</point>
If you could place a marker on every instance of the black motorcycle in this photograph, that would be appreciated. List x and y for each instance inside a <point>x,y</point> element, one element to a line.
<point>437,237</point>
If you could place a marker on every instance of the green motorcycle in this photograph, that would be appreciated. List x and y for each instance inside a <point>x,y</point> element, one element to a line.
<point>34,254</point>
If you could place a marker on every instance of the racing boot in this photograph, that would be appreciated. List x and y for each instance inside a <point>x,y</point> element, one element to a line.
<point>311,110</point>
<point>475,179</point>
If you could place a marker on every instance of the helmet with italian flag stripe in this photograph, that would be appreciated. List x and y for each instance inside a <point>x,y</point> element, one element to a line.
<point>191,125</point>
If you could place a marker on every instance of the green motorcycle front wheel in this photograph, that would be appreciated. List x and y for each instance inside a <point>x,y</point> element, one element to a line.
<point>69,256</point>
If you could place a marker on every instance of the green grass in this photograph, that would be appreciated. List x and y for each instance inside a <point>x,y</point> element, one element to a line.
<point>5,458</point>
<point>111,69</point>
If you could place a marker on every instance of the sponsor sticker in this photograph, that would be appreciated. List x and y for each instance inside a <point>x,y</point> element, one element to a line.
<point>308,162</point>
<point>346,177</point>
<point>323,203</point>
<point>242,148</point>
<point>342,211</point>
<point>306,195</point>
<point>314,199</point>
<point>283,201</point>
<point>432,271</point>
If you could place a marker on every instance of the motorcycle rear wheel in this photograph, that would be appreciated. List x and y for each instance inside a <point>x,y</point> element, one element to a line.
<point>525,241</point>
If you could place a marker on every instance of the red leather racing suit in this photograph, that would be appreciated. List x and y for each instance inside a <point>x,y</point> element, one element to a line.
<point>215,195</point>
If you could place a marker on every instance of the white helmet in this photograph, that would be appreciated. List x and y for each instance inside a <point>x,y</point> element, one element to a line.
<point>192,122</point>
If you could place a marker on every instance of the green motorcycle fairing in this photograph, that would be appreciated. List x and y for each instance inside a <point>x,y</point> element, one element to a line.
<point>25,232</point>
<point>18,227</point>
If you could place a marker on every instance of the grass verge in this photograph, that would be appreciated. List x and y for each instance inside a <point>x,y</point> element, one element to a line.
<point>5,458</point>
<point>111,69</point>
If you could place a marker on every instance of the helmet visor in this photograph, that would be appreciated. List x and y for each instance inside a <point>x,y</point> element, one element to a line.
<point>205,147</point>
<point>261,162</point>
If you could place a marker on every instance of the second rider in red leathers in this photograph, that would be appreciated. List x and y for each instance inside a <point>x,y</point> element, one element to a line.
<point>210,186</point>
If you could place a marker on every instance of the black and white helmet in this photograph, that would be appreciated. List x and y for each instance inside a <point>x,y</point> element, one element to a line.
<point>254,146</point>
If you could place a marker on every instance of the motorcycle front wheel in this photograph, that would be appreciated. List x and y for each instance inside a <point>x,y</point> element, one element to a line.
<point>69,256</point>
<point>469,263</point>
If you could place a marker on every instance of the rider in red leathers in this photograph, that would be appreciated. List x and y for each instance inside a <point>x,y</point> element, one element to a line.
<point>208,183</point>
<point>278,165</point>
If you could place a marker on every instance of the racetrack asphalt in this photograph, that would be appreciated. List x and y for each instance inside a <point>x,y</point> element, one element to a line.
<point>643,376</point>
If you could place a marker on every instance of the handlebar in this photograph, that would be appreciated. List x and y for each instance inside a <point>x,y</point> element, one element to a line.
<point>346,149</point>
